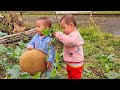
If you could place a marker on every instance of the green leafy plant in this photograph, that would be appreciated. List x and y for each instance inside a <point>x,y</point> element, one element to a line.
<point>13,73</point>
<point>37,75</point>
<point>113,75</point>
<point>24,75</point>
<point>3,34</point>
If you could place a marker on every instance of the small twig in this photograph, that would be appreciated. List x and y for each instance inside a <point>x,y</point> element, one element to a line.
<point>57,20</point>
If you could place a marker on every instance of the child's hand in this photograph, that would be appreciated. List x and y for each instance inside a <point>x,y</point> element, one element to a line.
<point>48,64</point>
<point>57,34</point>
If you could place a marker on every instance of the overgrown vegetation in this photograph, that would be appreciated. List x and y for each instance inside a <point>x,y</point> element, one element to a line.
<point>101,52</point>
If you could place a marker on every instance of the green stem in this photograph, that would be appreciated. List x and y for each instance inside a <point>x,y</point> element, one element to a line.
<point>57,20</point>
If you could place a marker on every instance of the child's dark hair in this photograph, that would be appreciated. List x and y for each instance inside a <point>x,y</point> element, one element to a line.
<point>47,21</point>
<point>69,19</point>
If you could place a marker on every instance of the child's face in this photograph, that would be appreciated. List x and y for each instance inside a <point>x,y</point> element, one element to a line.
<point>39,26</point>
<point>67,28</point>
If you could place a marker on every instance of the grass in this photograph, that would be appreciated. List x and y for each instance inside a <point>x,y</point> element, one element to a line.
<point>101,53</point>
<point>106,12</point>
<point>93,12</point>
<point>53,12</point>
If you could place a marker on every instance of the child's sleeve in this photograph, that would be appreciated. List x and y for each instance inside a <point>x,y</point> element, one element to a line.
<point>51,54</point>
<point>69,40</point>
<point>31,44</point>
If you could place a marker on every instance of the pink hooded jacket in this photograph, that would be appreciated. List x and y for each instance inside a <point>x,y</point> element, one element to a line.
<point>73,49</point>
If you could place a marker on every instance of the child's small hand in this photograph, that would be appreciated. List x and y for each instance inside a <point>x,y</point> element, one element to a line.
<point>48,64</point>
<point>57,34</point>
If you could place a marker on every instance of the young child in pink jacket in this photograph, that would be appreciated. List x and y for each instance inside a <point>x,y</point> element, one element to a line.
<point>73,49</point>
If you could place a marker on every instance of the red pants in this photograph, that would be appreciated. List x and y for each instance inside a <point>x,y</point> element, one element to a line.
<point>74,73</point>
